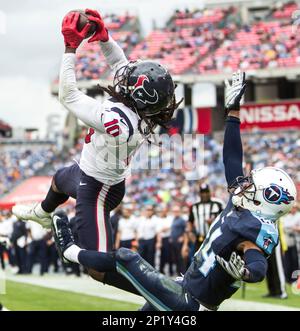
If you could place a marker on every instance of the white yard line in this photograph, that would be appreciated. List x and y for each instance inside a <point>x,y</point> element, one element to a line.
<point>83,285</point>
<point>86,285</point>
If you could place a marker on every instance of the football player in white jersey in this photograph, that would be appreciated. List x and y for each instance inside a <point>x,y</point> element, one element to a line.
<point>142,97</point>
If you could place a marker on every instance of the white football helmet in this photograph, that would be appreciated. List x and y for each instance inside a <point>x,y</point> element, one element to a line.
<point>267,192</point>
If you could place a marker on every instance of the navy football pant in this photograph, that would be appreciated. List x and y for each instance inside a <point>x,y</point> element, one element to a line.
<point>161,292</point>
<point>94,202</point>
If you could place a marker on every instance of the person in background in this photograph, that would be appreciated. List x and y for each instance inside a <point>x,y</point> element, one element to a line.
<point>19,241</point>
<point>163,239</point>
<point>6,229</point>
<point>177,238</point>
<point>3,247</point>
<point>291,225</point>
<point>146,234</point>
<point>202,214</point>
<point>37,248</point>
<point>52,256</point>
<point>191,235</point>
<point>73,268</point>
<point>114,221</point>
<point>126,228</point>
<point>275,277</point>
<point>185,212</point>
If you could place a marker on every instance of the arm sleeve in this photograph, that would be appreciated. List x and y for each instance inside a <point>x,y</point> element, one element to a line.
<point>256,264</point>
<point>113,54</point>
<point>232,150</point>
<point>85,108</point>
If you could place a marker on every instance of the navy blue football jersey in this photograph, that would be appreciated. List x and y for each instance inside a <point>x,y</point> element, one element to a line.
<point>205,279</point>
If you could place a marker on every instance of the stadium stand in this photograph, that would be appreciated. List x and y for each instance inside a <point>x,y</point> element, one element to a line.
<point>262,45</point>
<point>90,61</point>
<point>162,185</point>
<point>188,38</point>
<point>285,11</point>
<point>203,41</point>
<point>17,164</point>
<point>260,149</point>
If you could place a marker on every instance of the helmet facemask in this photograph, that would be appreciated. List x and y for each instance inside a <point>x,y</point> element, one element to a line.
<point>120,81</point>
<point>243,192</point>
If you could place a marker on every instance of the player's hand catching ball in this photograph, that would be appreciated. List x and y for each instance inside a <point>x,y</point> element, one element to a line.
<point>235,267</point>
<point>72,36</point>
<point>101,33</point>
<point>235,91</point>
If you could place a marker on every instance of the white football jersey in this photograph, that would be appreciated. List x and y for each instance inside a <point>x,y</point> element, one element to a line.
<point>113,137</point>
<point>110,146</point>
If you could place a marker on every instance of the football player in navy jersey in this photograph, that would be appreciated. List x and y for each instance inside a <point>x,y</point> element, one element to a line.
<point>236,247</point>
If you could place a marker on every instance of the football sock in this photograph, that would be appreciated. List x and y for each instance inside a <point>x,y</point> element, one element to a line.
<point>71,253</point>
<point>98,261</point>
<point>53,200</point>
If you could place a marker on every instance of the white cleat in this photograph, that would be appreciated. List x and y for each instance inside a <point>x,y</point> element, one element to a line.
<point>35,213</point>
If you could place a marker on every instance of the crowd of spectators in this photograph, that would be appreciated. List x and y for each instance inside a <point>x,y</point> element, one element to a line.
<point>156,208</point>
<point>180,185</point>
<point>161,174</point>
<point>183,43</point>
<point>257,46</point>
<point>91,63</point>
<point>203,41</point>
<point>18,163</point>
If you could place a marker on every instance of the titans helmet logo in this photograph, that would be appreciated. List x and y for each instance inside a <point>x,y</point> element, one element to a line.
<point>142,93</point>
<point>277,195</point>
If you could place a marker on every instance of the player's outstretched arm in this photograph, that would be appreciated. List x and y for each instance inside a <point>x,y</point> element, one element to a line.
<point>113,53</point>
<point>232,148</point>
<point>79,104</point>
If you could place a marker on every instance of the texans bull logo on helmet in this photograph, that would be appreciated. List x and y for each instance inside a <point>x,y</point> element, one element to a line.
<point>142,92</point>
<point>277,195</point>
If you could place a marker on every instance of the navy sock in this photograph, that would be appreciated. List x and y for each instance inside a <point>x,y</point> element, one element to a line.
<point>53,200</point>
<point>98,261</point>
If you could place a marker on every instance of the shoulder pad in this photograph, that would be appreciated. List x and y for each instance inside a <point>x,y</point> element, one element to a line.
<point>259,231</point>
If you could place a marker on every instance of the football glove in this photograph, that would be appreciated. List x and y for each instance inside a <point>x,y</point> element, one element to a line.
<point>235,91</point>
<point>72,36</point>
<point>101,33</point>
<point>235,267</point>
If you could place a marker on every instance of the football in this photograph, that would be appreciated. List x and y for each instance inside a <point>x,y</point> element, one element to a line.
<point>83,20</point>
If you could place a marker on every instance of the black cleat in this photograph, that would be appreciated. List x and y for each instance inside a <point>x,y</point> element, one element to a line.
<point>62,233</point>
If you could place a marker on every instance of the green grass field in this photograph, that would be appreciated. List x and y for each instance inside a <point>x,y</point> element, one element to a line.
<point>255,292</point>
<point>28,297</point>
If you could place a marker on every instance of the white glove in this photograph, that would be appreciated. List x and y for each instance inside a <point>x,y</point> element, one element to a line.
<point>235,267</point>
<point>235,91</point>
